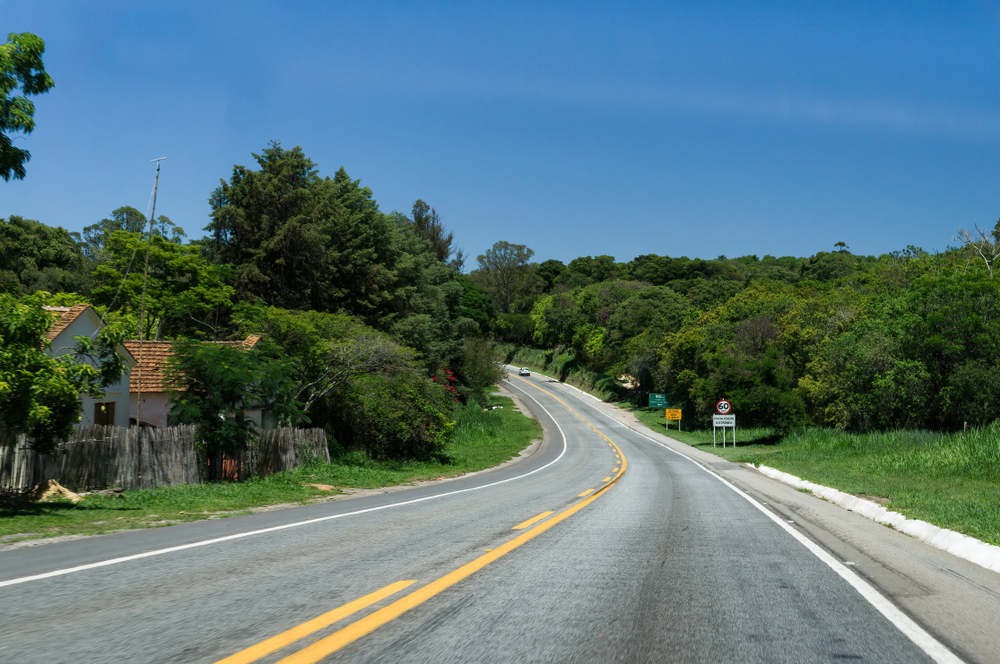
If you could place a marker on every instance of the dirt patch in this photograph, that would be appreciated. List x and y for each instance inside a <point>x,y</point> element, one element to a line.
<point>881,500</point>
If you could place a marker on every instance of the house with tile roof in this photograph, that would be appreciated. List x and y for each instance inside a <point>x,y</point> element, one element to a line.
<point>81,320</point>
<point>151,387</point>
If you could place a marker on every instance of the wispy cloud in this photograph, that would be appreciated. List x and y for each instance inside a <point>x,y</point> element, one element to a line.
<point>835,112</point>
<point>887,115</point>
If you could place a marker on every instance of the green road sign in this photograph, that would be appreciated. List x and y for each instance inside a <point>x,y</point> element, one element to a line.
<point>657,400</point>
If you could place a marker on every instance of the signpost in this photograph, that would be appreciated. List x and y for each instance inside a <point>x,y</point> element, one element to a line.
<point>724,419</point>
<point>673,414</point>
<point>657,400</point>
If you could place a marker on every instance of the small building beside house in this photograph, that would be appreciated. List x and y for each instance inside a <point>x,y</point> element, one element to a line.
<point>81,320</point>
<point>150,386</point>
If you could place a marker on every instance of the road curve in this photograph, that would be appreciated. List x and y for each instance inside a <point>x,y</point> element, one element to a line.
<point>600,547</point>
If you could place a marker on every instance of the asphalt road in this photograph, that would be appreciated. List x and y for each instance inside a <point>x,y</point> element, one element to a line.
<point>644,556</point>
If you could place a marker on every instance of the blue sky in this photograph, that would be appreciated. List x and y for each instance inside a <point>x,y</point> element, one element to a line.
<point>577,129</point>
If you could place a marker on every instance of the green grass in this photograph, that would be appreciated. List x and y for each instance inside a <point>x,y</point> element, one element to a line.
<point>482,440</point>
<point>949,479</point>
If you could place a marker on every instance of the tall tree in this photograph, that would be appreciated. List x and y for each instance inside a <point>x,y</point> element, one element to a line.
<point>20,67</point>
<point>300,241</point>
<point>503,267</point>
<point>427,224</point>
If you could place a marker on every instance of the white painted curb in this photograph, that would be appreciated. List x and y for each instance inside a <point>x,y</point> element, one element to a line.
<point>957,544</point>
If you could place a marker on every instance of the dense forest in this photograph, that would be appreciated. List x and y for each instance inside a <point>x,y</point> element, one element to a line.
<point>372,330</point>
<point>904,340</point>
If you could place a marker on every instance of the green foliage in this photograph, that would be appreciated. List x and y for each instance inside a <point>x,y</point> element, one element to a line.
<point>427,224</point>
<point>20,67</point>
<point>327,352</point>
<point>34,256</point>
<point>589,270</point>
<point>503,269</point>
<point>39,394</point>
<point>221,384</point>
<point>185,295</point>
<point>400,415</point>
<point>480,370</point>
<point>475,304</point>
<point>97,237</point>
<point>514,328</point>
<point>300,241</point>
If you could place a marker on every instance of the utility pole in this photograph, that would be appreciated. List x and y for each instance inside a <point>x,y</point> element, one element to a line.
<point>142,320</point>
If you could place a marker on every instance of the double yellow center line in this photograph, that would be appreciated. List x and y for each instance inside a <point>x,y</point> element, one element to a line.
<point>368,624</point>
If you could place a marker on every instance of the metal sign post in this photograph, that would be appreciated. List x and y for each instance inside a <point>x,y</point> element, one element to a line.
<point>723,419</point>
<point>723,422</point>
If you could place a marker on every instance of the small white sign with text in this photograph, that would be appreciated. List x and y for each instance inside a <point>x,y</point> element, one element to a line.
<point>723,422</point>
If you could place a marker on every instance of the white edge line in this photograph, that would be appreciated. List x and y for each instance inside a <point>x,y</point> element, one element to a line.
<point>904,623</point>
<point>917,634</point>
<point>262,531</point>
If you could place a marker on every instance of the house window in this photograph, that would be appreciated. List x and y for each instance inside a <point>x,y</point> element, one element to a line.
<point>104,413</point>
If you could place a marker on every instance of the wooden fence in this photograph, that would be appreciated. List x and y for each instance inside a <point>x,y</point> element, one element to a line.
<point>97,457</point>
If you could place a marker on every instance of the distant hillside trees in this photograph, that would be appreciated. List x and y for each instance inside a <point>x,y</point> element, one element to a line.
<point>96,238</point>
<point>907,340</point>
<point>35,257</point>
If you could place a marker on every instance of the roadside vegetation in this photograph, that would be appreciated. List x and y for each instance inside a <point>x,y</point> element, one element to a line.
<point>482,439</point>
<point>877,374</point>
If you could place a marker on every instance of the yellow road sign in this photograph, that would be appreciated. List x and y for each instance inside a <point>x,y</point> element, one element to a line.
<point>673,413</point>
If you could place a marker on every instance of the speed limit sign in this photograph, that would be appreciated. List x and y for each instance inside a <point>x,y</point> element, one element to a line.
<point>723,407</point>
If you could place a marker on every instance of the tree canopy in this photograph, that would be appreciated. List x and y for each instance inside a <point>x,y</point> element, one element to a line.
<point>21,68</point>
<point>35,257</point>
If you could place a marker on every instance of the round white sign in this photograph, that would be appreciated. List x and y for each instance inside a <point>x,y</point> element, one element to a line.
<point>723,407</point>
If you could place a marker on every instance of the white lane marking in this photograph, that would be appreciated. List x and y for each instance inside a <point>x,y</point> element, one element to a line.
<point>262,531</point>
<point>934,649</point>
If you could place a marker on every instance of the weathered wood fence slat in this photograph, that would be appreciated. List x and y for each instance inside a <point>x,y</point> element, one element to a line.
<point>96,457</point>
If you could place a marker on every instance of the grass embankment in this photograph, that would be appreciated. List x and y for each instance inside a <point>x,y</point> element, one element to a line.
<point>482,440</point>
<point>949,479</point>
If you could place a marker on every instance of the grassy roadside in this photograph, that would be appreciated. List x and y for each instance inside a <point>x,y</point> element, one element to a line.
<point>949,479</point>
<point>482,440</point>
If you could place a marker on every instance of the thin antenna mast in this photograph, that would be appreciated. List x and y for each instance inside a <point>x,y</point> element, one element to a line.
<point>142,303</point>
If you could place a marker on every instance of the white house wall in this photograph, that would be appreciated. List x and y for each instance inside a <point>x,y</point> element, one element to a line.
<point>87,324</point>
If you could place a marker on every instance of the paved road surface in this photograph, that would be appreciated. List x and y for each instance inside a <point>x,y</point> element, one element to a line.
<point>646,556</point>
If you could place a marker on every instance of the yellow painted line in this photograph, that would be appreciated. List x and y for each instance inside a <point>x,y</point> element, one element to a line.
<point>356,630</point>
<point>572,410</point>
<point>286,638</point>
<point>585,493</point>
<point>614,470</point>
<point>606,478</point>
<point>533,520</point>
<point>347,635</point>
